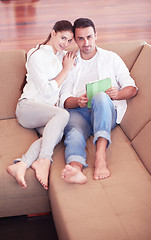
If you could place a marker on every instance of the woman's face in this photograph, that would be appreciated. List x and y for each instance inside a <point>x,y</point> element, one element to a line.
<point>61,40</point>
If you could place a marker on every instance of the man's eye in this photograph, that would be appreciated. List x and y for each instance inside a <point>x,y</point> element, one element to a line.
<point>70,40</point>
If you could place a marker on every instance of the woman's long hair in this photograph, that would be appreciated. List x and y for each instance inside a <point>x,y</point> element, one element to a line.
<point>59,26</point>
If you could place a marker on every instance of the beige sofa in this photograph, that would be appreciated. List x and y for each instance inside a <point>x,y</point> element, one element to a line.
<point>118,207</point>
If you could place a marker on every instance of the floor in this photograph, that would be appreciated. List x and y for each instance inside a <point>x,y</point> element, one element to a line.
<point>26,23</point>
<point>31,228</point>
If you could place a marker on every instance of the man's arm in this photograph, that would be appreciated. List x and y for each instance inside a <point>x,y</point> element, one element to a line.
<point>74,102</point>
<point>124,93</point>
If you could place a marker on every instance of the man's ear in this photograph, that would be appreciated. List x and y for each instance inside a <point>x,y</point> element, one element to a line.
<point>96,36</point>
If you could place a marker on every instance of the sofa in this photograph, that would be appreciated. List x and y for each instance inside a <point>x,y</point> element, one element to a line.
<point>118,207</point>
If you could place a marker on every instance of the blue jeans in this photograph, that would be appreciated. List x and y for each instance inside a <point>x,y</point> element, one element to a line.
<point>99,120</point>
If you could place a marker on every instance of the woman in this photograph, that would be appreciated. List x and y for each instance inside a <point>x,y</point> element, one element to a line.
<point>47,67</point>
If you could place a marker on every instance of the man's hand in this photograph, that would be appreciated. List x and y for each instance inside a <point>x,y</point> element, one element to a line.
<point>125,93</point>
<point>83,100</point>
<point>112,93</point>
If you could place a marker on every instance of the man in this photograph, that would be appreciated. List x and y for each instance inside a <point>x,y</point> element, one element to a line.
<point>107,109</point>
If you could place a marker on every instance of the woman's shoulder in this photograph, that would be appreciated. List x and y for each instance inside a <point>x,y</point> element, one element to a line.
<point>39,51</point>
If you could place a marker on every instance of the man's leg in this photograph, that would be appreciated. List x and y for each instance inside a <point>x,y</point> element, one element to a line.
<point>104,120</point>
<point>76,134</point>
<point>101,170</point>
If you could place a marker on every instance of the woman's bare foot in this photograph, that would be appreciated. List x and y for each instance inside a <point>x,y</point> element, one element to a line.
<point>101,171</point>
<point>73,175</point>
<point>18,171</point>
<point>42,167</point>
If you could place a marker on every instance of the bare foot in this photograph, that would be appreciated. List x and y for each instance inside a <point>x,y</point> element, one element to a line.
<point>101,170</point>
<point>73,175</point>
<point>18,171</point>
<point>42,167</point>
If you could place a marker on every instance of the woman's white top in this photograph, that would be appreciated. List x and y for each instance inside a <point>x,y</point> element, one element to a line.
<point>42,68</point>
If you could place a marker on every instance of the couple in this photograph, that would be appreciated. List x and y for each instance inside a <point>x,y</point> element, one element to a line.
<point>58,79</point>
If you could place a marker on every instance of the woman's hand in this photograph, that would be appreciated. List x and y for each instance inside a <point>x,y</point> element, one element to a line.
<point>68,60</point>
<point>112,93</point>
<point>83,100</point>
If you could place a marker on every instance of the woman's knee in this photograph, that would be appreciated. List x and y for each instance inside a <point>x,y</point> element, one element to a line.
<point>64,115</point>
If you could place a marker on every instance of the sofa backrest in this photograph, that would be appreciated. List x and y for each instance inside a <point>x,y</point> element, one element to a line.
<point>138,113</point>
<point>12,69</point>
<point>128,51</point>
<point>12,73</point>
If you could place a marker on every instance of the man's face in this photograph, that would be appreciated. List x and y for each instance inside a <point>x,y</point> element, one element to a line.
<point>85,39</point>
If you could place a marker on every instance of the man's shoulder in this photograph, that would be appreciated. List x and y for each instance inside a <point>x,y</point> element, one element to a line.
<point>106,52</point>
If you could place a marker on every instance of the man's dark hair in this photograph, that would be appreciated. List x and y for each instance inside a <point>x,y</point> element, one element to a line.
<point>83,23</point>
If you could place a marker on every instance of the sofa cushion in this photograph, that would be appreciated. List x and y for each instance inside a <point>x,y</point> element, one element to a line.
<point>14,200</point>
<point>142,145</point>
<point>12,73</point>
<point>116,206</point>
<point>138,113</point>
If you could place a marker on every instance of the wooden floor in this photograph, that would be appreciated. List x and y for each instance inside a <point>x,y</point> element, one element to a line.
<point>28,228</point>
<point>23,24</point>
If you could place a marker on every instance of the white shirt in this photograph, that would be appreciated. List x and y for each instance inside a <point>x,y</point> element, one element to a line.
<point>42,67</point>
<point>87,73</point>
<point>108,65</point>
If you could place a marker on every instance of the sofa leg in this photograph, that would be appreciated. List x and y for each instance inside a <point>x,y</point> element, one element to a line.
<point>38,214</point>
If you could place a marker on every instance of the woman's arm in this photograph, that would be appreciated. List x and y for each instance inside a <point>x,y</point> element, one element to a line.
<point>67,63</point>
<point>37,74</point>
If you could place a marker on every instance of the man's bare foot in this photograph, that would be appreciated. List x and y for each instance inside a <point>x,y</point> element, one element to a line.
<point>42,167</point>
<point>73,175</point>
<point>101,171</point>
<point>18,171</point>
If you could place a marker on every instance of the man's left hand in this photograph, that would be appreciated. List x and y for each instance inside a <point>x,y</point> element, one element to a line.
<point>112,93</point>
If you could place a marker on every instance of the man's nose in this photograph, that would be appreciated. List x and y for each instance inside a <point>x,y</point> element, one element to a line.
<point>86,42</point>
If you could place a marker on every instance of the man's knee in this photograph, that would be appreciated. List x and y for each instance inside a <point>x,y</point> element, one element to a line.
<point>100,98</point>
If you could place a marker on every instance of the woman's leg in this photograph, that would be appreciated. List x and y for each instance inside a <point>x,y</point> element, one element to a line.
<point>35,115</point>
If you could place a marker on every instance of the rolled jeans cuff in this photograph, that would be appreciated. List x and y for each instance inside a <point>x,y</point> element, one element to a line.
<point>103,134</point>
<point>76,158</point>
